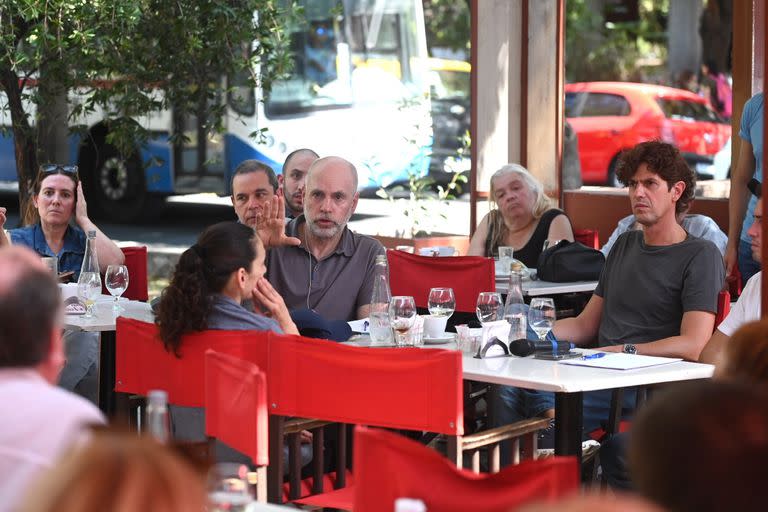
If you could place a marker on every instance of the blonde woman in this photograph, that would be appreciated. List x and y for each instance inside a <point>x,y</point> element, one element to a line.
<point>521,217</point>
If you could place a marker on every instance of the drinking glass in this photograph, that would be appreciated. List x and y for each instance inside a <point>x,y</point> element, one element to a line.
<point>88,289</point>
<point>506,256</point>
<point>402,314</point>
<point>117,282</point>
<point>541,316</point>
<point>489,307</point>
<point>228,488</point>
<point>441,302</point>
<point>52,262</point>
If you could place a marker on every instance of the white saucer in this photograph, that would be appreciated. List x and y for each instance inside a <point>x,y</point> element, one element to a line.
<point>446,337</point>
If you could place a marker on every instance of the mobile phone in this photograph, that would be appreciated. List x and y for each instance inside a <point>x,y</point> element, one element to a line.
<point>65,277</point>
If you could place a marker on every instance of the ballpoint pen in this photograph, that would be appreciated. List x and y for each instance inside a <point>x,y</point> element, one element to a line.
<point>596,355</point>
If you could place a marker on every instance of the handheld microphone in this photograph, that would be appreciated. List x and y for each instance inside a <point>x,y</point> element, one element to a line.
<point>523,347</point>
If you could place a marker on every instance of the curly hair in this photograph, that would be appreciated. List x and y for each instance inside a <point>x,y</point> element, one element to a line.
<point>746,354</point>
<point>203,269</point>
<point>663,159</point>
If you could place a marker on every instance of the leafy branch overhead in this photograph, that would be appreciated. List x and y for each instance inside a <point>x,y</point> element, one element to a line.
<point>129,58</point>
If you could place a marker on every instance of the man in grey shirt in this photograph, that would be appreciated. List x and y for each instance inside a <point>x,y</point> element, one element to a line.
<point>657,293</point>
<point>331,272</point>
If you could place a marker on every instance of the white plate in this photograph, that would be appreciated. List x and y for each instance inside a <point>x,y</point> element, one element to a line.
<point>446,337</point>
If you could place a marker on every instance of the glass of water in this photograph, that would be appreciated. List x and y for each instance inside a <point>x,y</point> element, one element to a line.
<point>541,316</point>
<point>441,302</point>
<point>116,280</point>
<point>489,307</point>
<point>88,290</point>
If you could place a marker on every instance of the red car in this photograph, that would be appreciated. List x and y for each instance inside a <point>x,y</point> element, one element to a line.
<point>609,117</point>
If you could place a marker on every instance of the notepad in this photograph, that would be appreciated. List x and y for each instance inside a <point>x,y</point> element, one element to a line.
<point>616,361</point>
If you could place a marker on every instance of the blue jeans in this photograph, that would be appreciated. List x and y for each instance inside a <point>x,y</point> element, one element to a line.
<point>747,264</point>
<point>613,459</point>
<point>81,371</point>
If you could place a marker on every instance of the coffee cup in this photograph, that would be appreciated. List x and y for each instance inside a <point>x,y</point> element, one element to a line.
<point>434,326</point>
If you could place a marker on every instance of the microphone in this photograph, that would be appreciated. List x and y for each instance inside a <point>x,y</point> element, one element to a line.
<point>523,347</point>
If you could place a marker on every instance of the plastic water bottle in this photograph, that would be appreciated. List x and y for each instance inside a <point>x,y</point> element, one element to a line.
<point>158,425</point>
<point>514,307</point>
<point>380,327</point>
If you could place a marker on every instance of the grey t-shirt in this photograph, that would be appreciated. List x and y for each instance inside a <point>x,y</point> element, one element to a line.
<point>342,282</point>
<point>646,289</point>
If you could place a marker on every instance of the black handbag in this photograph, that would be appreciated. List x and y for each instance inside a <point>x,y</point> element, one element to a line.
<point>570,261</point>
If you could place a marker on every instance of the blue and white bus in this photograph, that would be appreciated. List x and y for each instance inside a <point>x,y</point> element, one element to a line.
<point>359,89</point>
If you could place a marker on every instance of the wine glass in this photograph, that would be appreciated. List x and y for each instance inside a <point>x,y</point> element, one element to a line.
<point>402,313</point>
<point>228,487</point>
<point>117,282</point>
<point>88,289</point>
<point>441,302</point>
<point>541,316</point>
<point>489,307</point>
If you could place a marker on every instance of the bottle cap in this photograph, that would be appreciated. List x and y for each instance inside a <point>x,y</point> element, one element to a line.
<point>516,266</point>
<point>92,234</point>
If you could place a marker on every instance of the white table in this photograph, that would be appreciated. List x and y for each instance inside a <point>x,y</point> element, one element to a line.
<point>103,321</point>
<point>536,288</point>
<point>569,382</point>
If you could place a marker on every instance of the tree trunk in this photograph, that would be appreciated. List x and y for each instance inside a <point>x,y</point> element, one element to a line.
<point>683,36</point>
<point>24,143</point>
<point>715,30</point>
<point>52,122</point>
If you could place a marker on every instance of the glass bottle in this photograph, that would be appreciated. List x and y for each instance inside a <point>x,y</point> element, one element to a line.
<point>158,425</point>
<point>514,306</point>
<point>89,280</point>
<point>380,327</point>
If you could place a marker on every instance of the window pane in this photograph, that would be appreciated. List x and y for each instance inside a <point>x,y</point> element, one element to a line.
<point>599,104</point>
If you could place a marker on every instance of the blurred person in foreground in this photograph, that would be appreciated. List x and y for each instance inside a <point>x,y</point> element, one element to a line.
<point>119,472</point>
<point>521,217</point>
<point>675,280</point>
<point>331,271</point>
<point>293,179</point>
<point>701,447</point>
<point>40,420</point>
<point>57,201</point>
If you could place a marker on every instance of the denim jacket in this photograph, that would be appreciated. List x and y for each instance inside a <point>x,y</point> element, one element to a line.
<point>71,254</point>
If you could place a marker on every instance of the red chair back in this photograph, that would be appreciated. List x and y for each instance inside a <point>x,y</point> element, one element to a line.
<point>411,389</point>
<point>410,274</point>
<point>136,261</point>
<point>723,306</point>
<point>236,405</point>
<point>142,363</point>
<point>388,466</point>
<point>588,237</point>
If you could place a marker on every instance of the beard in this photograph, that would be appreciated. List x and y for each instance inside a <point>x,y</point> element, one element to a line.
<point>328,232</point>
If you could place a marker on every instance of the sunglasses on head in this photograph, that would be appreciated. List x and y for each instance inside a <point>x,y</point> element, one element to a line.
<point>47,169</point>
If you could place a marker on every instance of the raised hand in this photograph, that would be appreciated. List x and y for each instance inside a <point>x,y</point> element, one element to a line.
<point>81,207</point>
<point>270,224</point>
<point>271,304</point>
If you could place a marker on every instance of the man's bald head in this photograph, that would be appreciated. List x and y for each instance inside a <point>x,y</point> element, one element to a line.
<point>30,303</point>
<point>330,196</point>
<point>334,165</point>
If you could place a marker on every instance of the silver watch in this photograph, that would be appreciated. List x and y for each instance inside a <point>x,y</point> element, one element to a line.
<point>629,348</point>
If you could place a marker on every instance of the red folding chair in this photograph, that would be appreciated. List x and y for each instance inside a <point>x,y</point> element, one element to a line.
<point>236,410</point>
<point>723,306</point>
<point>410,274</point>
<point>588,237</point>
<point>411,389</point>
<point>388,467</point>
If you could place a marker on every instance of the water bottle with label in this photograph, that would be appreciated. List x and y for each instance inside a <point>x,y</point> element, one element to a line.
<point>380,327</point>
<point>514,307</point>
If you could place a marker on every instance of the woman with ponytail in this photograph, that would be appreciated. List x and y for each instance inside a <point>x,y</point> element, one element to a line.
<point>212,279</point>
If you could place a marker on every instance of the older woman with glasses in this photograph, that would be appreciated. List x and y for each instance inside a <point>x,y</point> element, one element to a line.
<point>57,199</point>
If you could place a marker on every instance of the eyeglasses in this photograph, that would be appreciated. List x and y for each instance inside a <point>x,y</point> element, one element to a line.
<point>47,169</point>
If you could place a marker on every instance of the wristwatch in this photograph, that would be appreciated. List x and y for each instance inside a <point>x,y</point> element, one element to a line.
<point>629,348</point>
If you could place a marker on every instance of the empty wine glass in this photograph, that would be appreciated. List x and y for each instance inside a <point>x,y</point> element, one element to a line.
<point>441,302</point>
<point>88,289</point>
<point>489,307</point>
<point>116,280</point>
<point>402,313</point>
<point>541,316</point>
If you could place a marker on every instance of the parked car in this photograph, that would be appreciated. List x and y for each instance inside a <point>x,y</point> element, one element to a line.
<point>609,117</point>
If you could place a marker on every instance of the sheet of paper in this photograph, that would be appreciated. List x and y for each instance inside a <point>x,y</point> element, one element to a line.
<point>615,361</point>
<point>359,325</point>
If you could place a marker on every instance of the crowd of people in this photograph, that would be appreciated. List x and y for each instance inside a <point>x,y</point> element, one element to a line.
<point>290,264</point>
